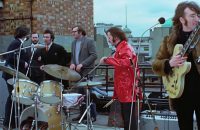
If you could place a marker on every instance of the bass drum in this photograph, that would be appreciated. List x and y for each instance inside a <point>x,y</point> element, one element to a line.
<point>48,115</point>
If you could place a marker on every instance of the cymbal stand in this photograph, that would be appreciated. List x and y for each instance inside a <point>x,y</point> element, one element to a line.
<point>87,111</point>
<point>61,102</point>
<point>69,124</point>
<point>36,111</point>
<point>84,77</point>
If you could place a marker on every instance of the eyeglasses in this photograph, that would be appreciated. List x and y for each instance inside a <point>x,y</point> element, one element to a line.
<point>74,31</point>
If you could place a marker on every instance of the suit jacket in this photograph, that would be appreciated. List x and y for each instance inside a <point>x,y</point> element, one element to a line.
<point>11,59</point>
<point>87,55</point>
<point>55,55</point>
<point>35,71</point>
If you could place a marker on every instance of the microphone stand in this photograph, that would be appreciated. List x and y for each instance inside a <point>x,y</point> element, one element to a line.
<point>161,21</point>
<point>15,50</point>
<point>16,88</point>
<point>30,62</point>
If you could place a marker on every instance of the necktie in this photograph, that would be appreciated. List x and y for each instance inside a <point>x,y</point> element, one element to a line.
<point>46,46</point>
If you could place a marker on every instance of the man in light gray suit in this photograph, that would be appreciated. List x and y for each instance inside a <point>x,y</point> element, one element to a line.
<point>83,55</point>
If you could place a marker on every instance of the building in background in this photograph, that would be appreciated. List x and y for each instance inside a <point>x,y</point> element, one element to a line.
<point>146,47</point>
<point>58,15</point>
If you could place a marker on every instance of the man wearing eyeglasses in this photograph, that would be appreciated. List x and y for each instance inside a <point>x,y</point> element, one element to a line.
<point>83,55</point>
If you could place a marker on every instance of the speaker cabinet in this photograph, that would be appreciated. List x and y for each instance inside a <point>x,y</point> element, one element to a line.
<point>158,120</point>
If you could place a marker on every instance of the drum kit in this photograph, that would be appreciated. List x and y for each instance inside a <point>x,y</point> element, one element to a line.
<point>45,98</point>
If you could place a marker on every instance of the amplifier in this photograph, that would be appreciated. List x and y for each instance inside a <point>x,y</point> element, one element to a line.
<point>159,120</point>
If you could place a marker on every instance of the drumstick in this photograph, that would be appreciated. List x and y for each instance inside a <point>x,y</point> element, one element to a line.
<point>109,103</point>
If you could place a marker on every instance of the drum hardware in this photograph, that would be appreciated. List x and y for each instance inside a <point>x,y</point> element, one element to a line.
<point>17,75</point>
<point>88,103</point>
<point>36,112</point>
<point>50,92</point>
<point>90,83</point>
<point>46,114</point>
<point>12,72</point>
<point>87,111</point>
<point>26,91</point>
<point>61,72</point>
<point>71,100</point>
<point>32,125</point>
<point>71,75</point>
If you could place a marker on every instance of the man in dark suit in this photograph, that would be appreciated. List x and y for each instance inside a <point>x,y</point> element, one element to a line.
<point>21,35</point>
<point>52,54</point>
<point>83,55</point>
<point>35,73</point>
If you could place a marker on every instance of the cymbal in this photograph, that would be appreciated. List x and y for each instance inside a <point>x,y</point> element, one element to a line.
<point>90,83</point>
<point>12,71</point>
<point>61,72</point>
<point>11,81</point>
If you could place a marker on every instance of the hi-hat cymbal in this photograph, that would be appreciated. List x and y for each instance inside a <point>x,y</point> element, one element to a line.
<point>90,83</point>
<point>12,71</point>
<point>61,72</point>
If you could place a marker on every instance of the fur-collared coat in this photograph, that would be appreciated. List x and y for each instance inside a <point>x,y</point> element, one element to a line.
<point>165,52</point>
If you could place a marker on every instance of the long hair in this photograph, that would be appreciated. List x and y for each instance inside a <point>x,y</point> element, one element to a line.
<point>117,32</point>
<point>21,31</point>
<point>179,12</point>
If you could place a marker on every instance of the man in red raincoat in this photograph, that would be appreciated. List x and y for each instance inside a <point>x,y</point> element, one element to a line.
<point>126,74</point>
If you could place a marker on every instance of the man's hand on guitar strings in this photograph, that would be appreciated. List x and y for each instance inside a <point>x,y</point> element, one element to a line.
<point>177,60</point>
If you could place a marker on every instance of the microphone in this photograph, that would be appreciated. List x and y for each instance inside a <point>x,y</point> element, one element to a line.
<point>38,46</point>
<point>161,20</point>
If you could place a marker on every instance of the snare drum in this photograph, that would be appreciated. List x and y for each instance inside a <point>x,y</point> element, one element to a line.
<point>47,114</point>
<point>50,92</point>
<point>26,92</point>
<point>72,99</point>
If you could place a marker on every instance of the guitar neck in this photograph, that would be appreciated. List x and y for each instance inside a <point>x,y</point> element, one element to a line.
<point>190,40</point>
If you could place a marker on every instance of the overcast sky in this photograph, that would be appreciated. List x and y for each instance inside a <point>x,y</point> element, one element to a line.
<point>141,14</point>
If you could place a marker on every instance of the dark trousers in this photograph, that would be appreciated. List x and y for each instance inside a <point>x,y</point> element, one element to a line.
<point>126,116</point>
<point>8,106</point>
<point>185,111</point>
<point>8,109</point>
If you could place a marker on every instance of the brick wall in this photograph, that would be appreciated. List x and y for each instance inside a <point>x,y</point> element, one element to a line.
<point>59,15</point>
